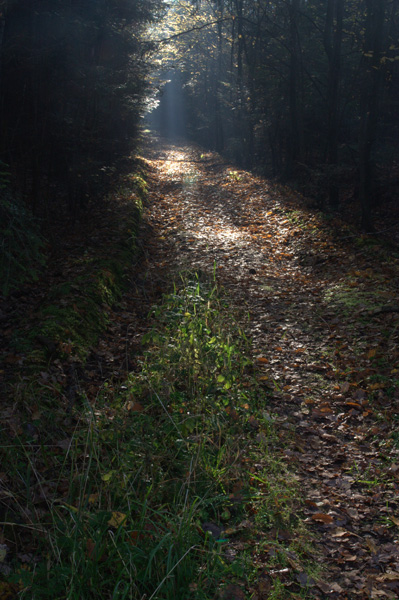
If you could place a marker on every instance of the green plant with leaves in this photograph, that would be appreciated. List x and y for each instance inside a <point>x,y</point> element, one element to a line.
<point>153,489</point>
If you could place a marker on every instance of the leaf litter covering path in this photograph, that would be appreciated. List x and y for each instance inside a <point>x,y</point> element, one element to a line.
<point>314,298</point>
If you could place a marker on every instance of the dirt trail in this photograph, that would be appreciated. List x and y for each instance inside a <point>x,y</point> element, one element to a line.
<point>280,263</point>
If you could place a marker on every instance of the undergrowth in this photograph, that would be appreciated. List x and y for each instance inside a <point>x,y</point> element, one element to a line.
<point>169,486</point>
<point>74,312</point>
<point>21,244</point>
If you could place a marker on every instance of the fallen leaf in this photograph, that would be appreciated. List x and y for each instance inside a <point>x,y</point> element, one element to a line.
<point>375,386</point>
<point>345,387</point>
<point>322,518</point>
<point>336,588</point>
<point>253,422</point>
<point>340,532</point>
<point>353,404</point>
<point>134,406</point>
<point>371,545</point>
<point>326,410</point>
<point>117,519</point>
<point>389,577</point>
<point>262,360</point>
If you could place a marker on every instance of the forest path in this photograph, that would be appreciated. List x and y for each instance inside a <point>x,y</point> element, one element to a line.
<point>328,357</point>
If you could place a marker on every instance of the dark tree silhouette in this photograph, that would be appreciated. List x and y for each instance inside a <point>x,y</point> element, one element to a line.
<point>72,82</point>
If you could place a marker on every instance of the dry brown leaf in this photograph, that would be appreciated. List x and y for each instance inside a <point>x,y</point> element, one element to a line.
<point>322,518</point>
<point>262,360</point>
<point>391,576</point>
<point>340,532</point>
<point>371,545</point>
<point>326,410</point>
<point>253,422</point>
<point>336,588</point>
<point>134,406</point>
<point>353,404</point>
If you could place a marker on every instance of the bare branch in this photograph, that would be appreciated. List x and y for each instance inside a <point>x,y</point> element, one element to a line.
<point>197,28</point>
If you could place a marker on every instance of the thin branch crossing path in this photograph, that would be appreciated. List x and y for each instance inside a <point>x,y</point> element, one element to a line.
<point>323,341</point>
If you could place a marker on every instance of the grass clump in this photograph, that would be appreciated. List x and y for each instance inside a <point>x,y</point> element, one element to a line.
<point>169,487</point>
<point>75,313</point>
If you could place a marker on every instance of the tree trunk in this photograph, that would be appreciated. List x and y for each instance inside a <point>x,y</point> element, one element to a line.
<point>333,43</point>
<point>295,151</point>
<point>219,137</point>
<point>373,46</point>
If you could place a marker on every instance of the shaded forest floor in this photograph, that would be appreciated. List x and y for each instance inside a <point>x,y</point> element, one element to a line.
<point>324,328</point>
<point>323,323</point>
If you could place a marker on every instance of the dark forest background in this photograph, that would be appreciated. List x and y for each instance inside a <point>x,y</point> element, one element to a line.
<point>72,81</point>
<point>302,90</point>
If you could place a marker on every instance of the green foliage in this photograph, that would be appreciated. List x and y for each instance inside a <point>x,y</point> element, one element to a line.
<point>21,245</point>
<point>352,295</point>
<point>140,185</point>
<point>128,497</point>
<point>76,312</point>
<point>234,175</point>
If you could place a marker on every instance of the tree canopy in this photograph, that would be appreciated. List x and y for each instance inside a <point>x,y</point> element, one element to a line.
<point>303,89</point>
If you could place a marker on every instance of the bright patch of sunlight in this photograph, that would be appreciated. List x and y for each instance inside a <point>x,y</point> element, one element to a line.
<point>220,235</point>
<point>228,234</point>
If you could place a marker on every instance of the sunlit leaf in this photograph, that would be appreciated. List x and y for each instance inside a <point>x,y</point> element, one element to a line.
<point>262,360</point>
<point>117,519</point>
